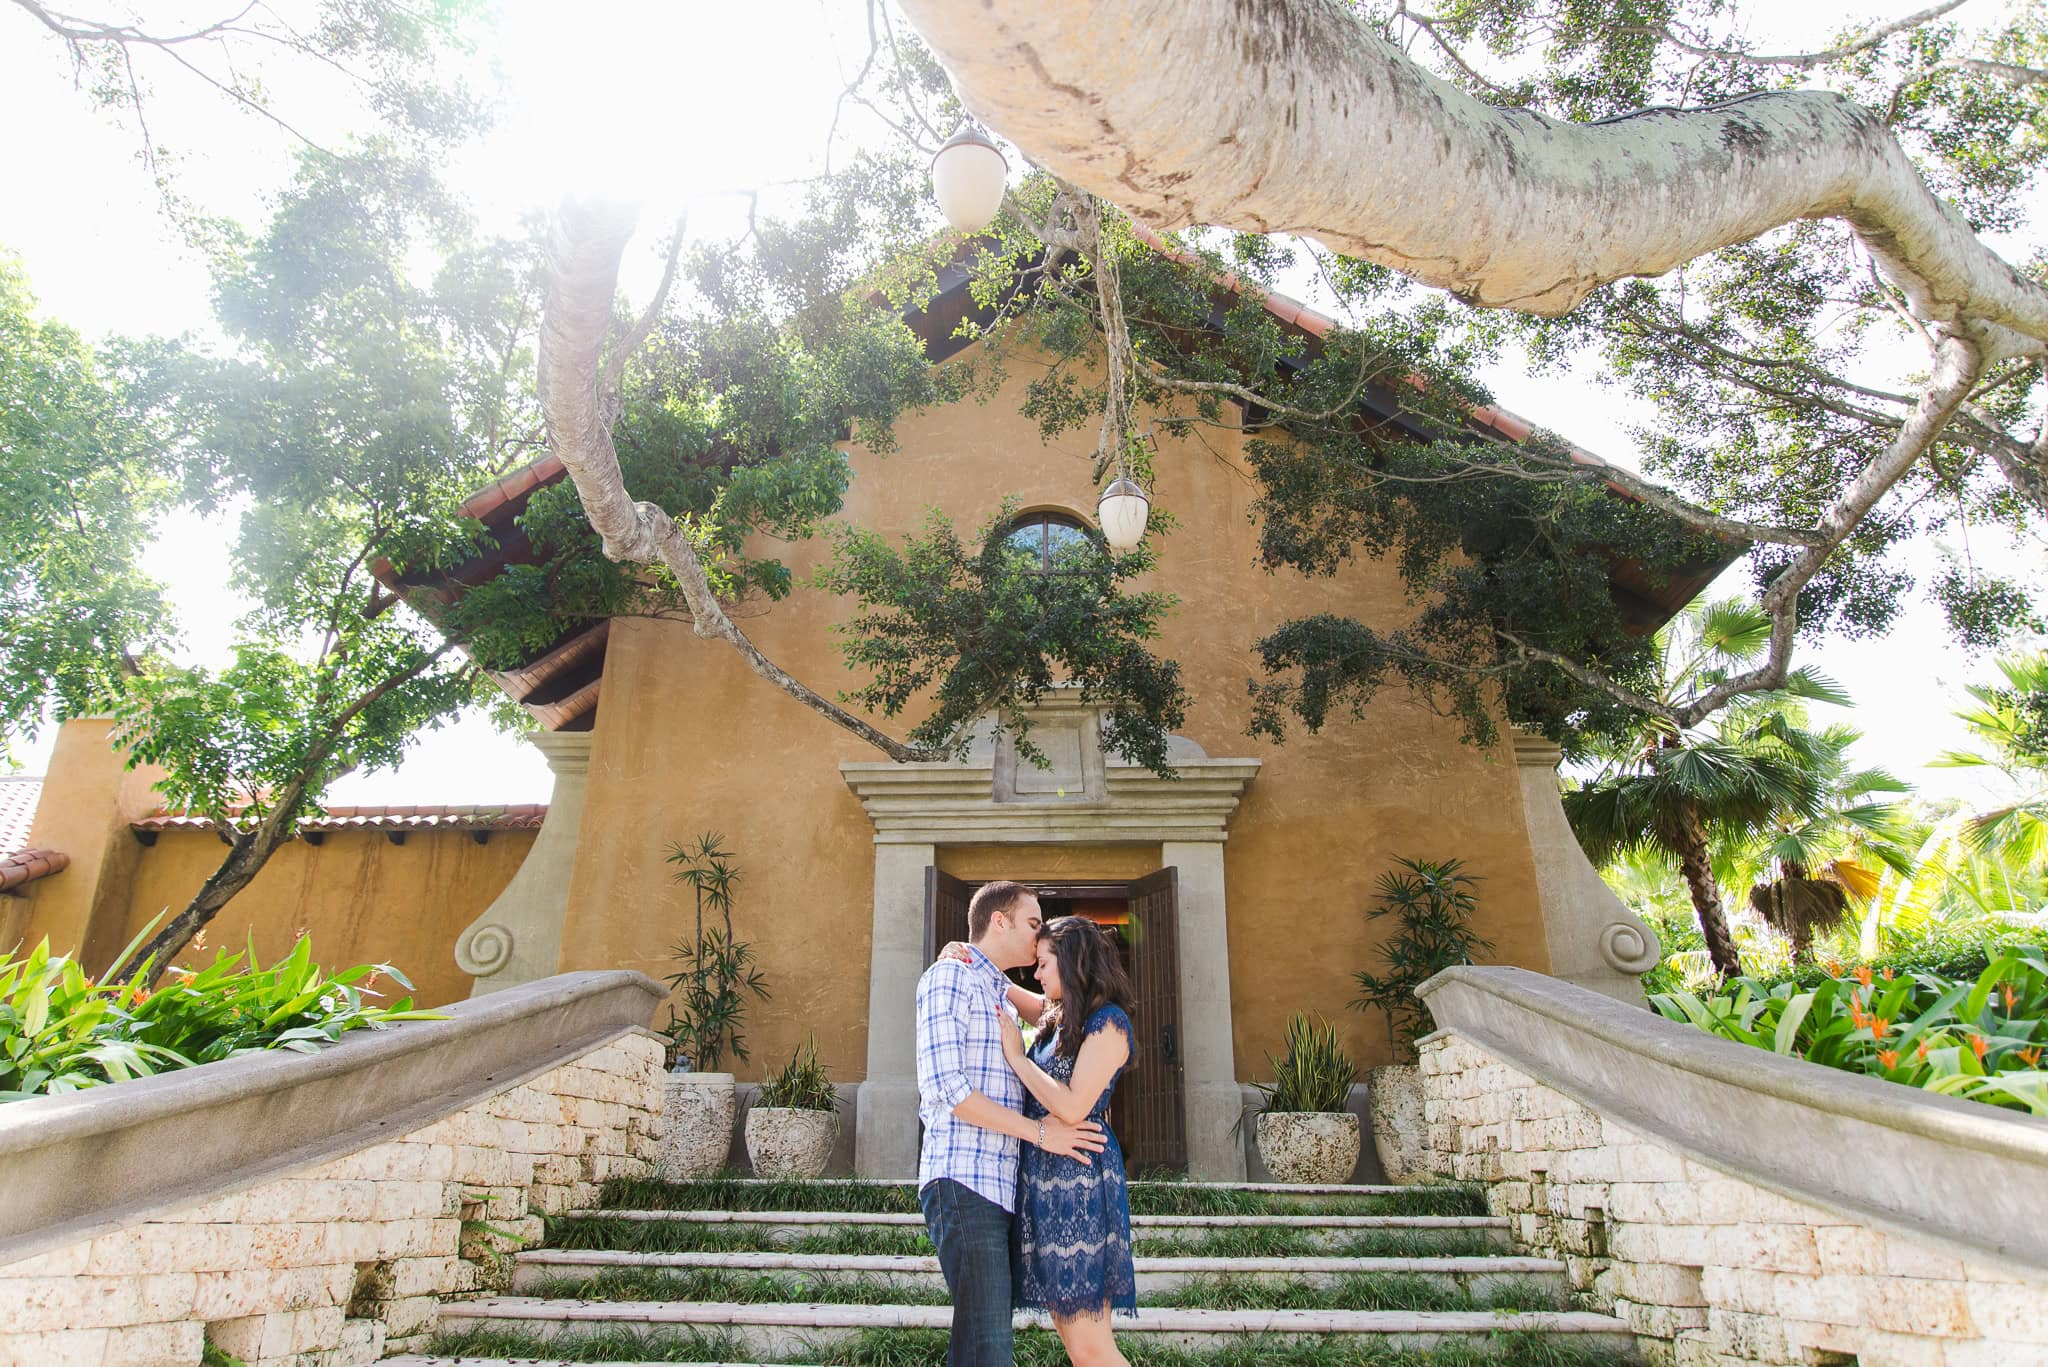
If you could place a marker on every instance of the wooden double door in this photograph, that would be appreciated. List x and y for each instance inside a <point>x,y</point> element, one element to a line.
<point>1143,916</point>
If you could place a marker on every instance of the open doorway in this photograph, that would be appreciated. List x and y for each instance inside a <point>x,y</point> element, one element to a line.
<point>1142,916</point>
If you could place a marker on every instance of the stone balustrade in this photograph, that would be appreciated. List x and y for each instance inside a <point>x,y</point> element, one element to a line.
<point>1611,1138</point>
<point>335,1260</point>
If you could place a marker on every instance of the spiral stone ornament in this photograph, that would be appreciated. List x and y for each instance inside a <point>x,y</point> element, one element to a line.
<point>484,950</point>
<point>1629,948</point>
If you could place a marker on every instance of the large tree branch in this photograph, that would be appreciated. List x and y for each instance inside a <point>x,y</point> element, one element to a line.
<point>1958,362</point>
<point>1292,116</point>
<point>585,243</point>
<point>1806,61</point>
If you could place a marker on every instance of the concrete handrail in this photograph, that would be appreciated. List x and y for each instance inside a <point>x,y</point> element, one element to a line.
<point>1968,1177</point>
<point>80,1164</point>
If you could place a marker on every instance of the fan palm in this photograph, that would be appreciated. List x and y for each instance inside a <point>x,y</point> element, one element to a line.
<point>1672,794</point>
<point>2012,722</point>
<point>1832,854</point>
<point>1678,791</point>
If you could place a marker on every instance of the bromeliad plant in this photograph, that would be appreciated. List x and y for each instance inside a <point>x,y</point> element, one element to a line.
<point>1314,1075</point>
<point>801,1084</point>
<point>61,1031</point>
<point>1982,1038</point>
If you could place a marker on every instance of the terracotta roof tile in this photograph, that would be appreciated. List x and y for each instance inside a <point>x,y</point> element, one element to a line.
<point>25,866</point>
<point>522,816</point>
<point>18,797</point>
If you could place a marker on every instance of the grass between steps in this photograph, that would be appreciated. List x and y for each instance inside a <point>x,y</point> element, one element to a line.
<point>1160,1198</point>
<point>927,1348</point>
<point>1368,1291</point>
<point>660,1236</point>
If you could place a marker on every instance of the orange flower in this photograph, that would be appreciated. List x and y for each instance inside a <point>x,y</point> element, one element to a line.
<point>1923,1052</point>
<point>1880,1026</point>
<point>2030,1057</point>
<point>1888,1058</point>
<point>1887,975</point>
<point>2009,993</point>
<point>1980,1046</point>
<point>1833,966</point>
<point>1863,975</point>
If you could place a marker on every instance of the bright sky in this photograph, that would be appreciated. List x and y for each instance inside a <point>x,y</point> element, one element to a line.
<point>697,97</point>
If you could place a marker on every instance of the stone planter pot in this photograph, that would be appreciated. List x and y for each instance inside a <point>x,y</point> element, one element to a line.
<point>783,1141</point>
<point>697,1125</point>
<point>1309,1146</point>
<point>1400,1133</point>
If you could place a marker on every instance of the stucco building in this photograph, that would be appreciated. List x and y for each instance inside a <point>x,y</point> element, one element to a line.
<point>1240,886</point>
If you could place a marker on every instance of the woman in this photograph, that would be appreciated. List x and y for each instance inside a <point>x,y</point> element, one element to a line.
<point>1072,1245</point>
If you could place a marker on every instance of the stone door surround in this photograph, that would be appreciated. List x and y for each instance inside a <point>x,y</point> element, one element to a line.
<point>994,797</point>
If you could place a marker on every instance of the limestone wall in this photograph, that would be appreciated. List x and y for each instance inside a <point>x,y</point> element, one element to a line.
<point>1709,1269</point>
<point>337,1264</point>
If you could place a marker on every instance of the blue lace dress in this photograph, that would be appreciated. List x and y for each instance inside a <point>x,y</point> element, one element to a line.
<point>1072,1240</point>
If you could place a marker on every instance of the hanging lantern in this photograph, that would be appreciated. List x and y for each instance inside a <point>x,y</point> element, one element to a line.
<point>1123,512</point>
<point>967,179</point>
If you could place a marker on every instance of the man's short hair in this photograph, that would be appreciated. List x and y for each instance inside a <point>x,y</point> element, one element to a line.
<point>989,899</point>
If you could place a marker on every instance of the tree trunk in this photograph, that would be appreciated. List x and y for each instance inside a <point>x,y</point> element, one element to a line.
<point>250,851</point>
<point>579,399</point>
<point>1706,895</point>
<point>1293,116</point>
<point>1801,933</point>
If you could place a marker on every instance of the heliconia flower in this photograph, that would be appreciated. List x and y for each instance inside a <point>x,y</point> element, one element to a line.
<point>1923,1052</point>
<point>1980,1046</point>
<point>1888,1058</point>
<point>1887,975</point>
<point>2030,1057</point>
<point>1880,1026</point>
<point>2009,993</point>
<point>1833,966</point>
<point>1863,975</point>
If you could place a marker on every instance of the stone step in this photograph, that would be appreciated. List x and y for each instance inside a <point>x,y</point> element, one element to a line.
<point>833,1193</point>
<point>786,1330</point>
<point>1139,1184</point>
<point>1477,1275</point>
<point>825,1221</point>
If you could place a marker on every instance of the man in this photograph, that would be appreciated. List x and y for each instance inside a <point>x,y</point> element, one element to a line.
<point>971,1105</point>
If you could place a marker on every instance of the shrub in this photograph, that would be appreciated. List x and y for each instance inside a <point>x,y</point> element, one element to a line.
<point>715,968</point>
<point>1980,1037</point>
<point>1435,904</point>
<point>801,1084</point>
<point>61,1031</point>
<point>1315,1075</point>
<point>1946,949</point>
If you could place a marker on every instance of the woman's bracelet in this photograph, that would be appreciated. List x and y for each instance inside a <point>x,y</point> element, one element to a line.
<point>1041,1134</point>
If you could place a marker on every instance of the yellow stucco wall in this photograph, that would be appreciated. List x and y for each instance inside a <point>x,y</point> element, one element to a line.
<point>688,740</point>
<point>361,898</point>
<point>87,801</point>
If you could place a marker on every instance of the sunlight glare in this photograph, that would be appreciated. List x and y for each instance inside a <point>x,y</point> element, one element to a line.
<point>663,102</point>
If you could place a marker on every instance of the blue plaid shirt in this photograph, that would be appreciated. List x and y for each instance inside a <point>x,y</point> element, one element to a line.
<point>960,1049</point>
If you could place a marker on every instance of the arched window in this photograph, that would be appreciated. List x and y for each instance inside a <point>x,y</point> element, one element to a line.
<point>1047,537</point>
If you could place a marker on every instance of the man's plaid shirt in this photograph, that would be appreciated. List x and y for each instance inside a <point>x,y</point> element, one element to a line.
<point>960,1049</point>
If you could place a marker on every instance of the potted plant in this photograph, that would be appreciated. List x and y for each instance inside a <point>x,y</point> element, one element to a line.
<point>1304,1133</point>
<point>792,1123</point>
<point>714,975</point>
<point>1434,904</point>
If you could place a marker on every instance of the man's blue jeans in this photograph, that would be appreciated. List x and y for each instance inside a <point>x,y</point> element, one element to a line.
<point>972,1234</point>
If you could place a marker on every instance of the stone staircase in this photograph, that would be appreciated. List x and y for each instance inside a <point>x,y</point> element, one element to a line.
<point>733,1270</point>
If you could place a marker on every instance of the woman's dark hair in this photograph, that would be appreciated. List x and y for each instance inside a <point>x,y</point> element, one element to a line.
<point>1091,976</point>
